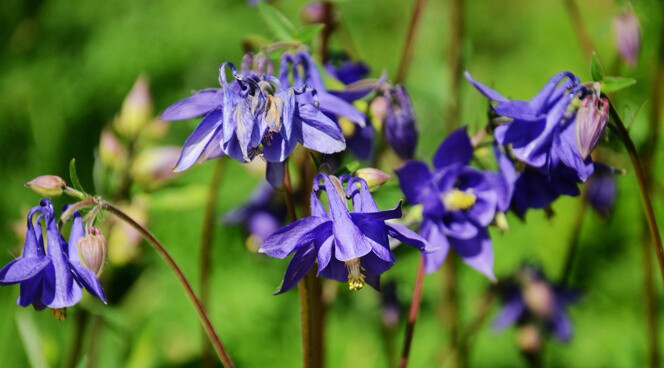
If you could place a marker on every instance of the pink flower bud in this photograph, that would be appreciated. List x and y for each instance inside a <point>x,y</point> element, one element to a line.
<point>92,250</point>
<point>313,12</point>
<point>136,109</point>
<point>47,185</point>
<point>590,122</point>
<point>155,166</point>
<point>378,110</point>
<point>628,36</point>
<point>111,151</point>
<point>374,177</point>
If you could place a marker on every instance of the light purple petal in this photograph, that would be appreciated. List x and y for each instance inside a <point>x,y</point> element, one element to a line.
<point>317,132</point>
<point>197,142</point>
<point>510,314</point>
<point>433,233</point>
<point>486,91</point>
<point>295,235</point>
<point>409,237</point>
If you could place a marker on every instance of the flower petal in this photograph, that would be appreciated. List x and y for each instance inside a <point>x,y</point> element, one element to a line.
<point>433,232</point>
<point>194,106</point>
<point>509,314</point>
<point>317,132</point>
<point>477,253</point>
<point>415,180</point>
<point>455,149</point>
<point>22,269</point>
<point>409,237</point>
<point>198,140</point>
<point>295,235</point>
<point>486,91</point>
<point>299,266</point>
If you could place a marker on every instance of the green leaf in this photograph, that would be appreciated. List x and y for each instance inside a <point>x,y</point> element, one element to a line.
<point>613,84</point>
<point>29,334</point>
<point>74,177</point>
<point>308,33</point>
<point>283,29</point>
<point>596,68</point>
<point>350,168</point>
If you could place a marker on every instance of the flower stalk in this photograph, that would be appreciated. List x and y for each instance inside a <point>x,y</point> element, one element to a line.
<point>407,55</point>
<point>200,310</point>
<point>412,314</point>
<point>641,179</point>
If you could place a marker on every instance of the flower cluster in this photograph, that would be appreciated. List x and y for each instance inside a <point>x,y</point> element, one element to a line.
<point>49,271</point>
<point>350,246</point>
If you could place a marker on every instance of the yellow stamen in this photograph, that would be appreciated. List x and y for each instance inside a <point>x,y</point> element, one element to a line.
<point>347,127</point>
<point>355,276</point>
<point>59,313</point>
<point>456,199</point>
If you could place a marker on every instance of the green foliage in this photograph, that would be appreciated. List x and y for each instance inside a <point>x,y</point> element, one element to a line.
<point>596,68</point>
<point>615,84</point>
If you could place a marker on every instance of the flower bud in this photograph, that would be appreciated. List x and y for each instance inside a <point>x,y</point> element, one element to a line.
<point>528,339</point>
<point>47,185</point>
<point>378,108</point>
<point>136,109</point>
<point>111,151</point>
<point>313,12</point>
<point>92,250</point>
<point>590,122</point>
<point>374,177</point>
<point>601,189</point>
<point>154,166</point>
<point>539,298</point>
<point>399,125</point>
<point>627,31</point>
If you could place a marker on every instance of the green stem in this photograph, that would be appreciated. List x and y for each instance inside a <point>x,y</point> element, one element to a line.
<point>641,179</point>
<point>189,291</point>
<point>451,310</point>
<point>206,249</point>
<point>455,63</point>
<point>407,54</point>
<point>412,315</point>
<point>574,240</point>
<point>582,35</point>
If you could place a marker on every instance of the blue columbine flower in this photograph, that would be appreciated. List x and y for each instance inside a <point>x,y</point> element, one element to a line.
<point>458,201</point>
<point>534,300</point>
<point>50,275</point>
<point>262,215</point>
<point>254,114</point>
<point>350,246</point>
<point>399,125</point>
<point>542,130</point>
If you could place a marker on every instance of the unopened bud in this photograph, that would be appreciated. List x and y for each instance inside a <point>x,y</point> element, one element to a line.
<point>539,298</point>
<point>47,185</point>
<point>528,339</point>
<point>627,31</point>
<point>501,221</point>
<point>155,166</point>
<point>590,122</point>
<point>374,177</point>
<point>136,109</point>
<point>313,12</point>
<point>92,250</point>
<point>111,151</point>
<point>399,126</point>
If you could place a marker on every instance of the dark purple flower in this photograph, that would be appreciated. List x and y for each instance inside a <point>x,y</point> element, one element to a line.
<point>627,31</point>
<point>602,188</point>
<point>262,215</point>
<point>535,300</point>
<point>458,201</point>
<point>50,275</point>
<point>399,125</point>
<point>542,131</point>
<point>350,246</point>
<point>254,114</point>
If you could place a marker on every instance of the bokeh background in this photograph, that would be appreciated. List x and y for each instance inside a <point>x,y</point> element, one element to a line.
<point>66,66</point>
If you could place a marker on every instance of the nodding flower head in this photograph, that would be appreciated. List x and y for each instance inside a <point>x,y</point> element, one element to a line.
<point>49,271</point>
<point>349,246</point>
<point>627,29</point>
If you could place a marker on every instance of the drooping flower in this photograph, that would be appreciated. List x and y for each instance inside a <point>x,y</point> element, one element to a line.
<point>49,271</point>
<point>458,202</point>
<point>399,124</point>
<point>350,246</point>
<point>262,215</point>
<point>336,104</point>
<point>533,300</point>
<point>254,114</point>
<point>542,131</point>
<point>627,29</point>
<point>602,189</point>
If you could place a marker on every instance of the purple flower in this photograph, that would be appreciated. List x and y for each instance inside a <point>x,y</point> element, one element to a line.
<point>262,215</point>
<point>348,72</point>
<point>602,188</point>
<point>534,299</point>
<point>50,279</point>
<point>542,130</point>
<point>399,125</point>
<point>627,31</point>
<point>458,201</point>
<point>254,114</point>
<point>349,246</point>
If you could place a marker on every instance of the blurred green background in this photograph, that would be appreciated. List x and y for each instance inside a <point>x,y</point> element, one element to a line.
<point>65,67</point>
